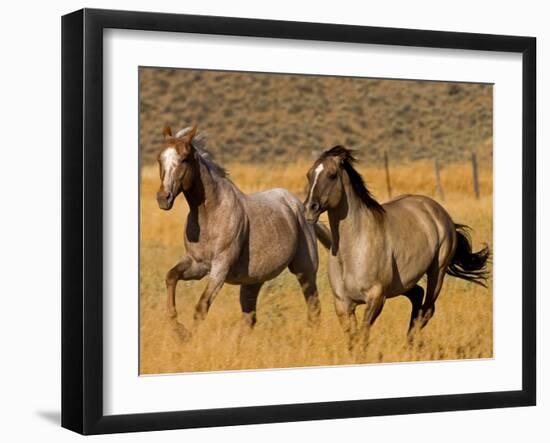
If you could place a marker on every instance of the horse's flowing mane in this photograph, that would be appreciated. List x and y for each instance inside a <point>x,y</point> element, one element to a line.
<point>357,183</point>
<point>199,143</point>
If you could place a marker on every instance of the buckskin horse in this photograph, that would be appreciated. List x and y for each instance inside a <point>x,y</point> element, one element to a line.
<point>381,251</point>
<point>230,236</point>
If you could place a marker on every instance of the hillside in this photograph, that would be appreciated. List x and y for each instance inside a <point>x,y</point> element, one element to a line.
<point>278,118</point>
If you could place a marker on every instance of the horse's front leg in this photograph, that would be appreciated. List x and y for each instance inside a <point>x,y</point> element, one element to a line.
<point>216,280</point>
<point>186,269</point>
<point>345,311</point>
<point>374,301</point>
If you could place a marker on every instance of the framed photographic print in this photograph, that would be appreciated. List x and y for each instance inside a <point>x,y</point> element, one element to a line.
<point>269,221</point>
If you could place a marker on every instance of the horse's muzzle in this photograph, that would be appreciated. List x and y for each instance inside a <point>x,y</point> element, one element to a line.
<point>165,200</point>
<point>312,212</point>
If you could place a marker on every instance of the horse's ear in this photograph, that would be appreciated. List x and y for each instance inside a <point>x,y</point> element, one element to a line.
<point>191,134</point>
<point>167,132</point>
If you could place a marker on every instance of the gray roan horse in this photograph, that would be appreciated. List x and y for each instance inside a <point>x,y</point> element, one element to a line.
<point>381,251</point>
<point>230,236</point>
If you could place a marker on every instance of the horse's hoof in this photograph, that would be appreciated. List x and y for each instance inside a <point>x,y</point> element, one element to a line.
<point>172,314</point>
<point>199,316</point>
<point>414,336</point>
<point>245,329</point>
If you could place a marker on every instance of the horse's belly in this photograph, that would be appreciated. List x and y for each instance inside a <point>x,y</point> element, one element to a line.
<point>410,265</point>
<point>356,278</point>
<point>268,253</point>
<point>242,275</point>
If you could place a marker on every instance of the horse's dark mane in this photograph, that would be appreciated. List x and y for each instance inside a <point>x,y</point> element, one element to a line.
<point>357,183</point>
<point>206,158</point>
<point>203,155</point>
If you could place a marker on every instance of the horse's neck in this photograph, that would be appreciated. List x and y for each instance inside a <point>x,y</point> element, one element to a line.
<point>351,221</point>
<point>204,191</point>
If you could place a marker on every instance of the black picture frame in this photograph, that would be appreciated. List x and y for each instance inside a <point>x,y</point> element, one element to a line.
<point>82,219</point>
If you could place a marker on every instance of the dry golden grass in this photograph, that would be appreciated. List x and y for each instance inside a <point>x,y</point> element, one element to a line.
<point>461,327</point>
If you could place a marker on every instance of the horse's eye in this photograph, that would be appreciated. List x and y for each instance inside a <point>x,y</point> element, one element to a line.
<point>332,176</point>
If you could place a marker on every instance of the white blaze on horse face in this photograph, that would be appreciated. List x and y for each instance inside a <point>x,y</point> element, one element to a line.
<point>170,160</point>
<point>317,171</point>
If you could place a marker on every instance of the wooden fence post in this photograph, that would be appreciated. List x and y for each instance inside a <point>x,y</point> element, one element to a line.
<point>475,174</point>
<point>387,166</point>
<point>438,186</point>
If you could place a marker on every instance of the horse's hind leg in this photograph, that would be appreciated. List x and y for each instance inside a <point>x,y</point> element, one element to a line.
<point>249,299</point>
<point>304,266</point>
<point>416,296</point>
<point>435,274</point>
<point>306,277</point>
<point>309,289</point>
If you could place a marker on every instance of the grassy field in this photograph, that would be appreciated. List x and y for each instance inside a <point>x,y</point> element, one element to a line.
<point>461,328</point>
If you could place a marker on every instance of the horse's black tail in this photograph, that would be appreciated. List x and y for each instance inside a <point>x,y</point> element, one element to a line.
<point>468,265</point>
<point>323,235</point>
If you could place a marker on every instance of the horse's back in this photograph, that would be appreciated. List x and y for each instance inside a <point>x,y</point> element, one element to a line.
<point>278,198</point>
<point>410,213</point>
<point>417,227</point>
<point>279,208</point>
<point>275,225</point>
